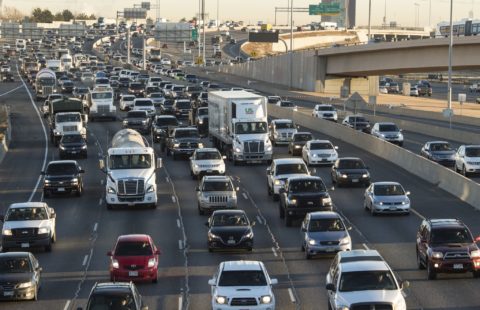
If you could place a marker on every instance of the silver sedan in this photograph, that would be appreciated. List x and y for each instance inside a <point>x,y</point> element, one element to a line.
<point>386,197</point>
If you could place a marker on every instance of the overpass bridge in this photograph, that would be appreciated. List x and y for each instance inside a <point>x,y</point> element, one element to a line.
<point>359,66</point>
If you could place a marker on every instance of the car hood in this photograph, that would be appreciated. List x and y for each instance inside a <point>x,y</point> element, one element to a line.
<point>327,235</point>
<point>26,224</point>
<point>309,195</point>
<point>323,152</point>
<point>243,291</point>
<point>181,140</point>
<point>286,176</point>
<point>16,277</point>
<point>396,198</point>
<point>208,162</point>
<point>371,296</point>
<point>72,144</point>
<point>454,247</point>
<point>234,231</point>
<point>389,133</point>
<point>133,260</point>
<point>66,177</point>
<point>135,119</point>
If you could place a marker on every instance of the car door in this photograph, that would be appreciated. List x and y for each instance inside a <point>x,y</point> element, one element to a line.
<point>422,245</point>
<point>270,174</point>
<point>304,229</point>
<point>36,269</point>
<point>375,130</point>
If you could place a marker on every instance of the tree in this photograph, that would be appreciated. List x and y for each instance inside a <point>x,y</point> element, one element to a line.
<point>37,14</point>
<point>42,16</point>
<point>92,16</point>
<point>58,17</point>
<point>82,16</point>
<point>183,20</point>
<point>67,15</point>
<point>11,13</point>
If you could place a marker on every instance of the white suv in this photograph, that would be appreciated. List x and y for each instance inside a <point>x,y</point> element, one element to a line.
<point>206,161</point>
<point>281,131</point>
<point>325,111</point>
<point>362,277</point>
<point>144,104</point>
<point>280,170</point>
<point>467,159</point>
<point>242,285</point>
<point>388,132</point>
<point>28,224</point>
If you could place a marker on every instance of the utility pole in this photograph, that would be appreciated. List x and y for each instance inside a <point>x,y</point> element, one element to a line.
<point>203,26</point>
<point>218,21</point>
<point>450,50</point>
<point>128,46</point>
<point>291,44</point>
<point>369,18</point>
<point>144,53</point>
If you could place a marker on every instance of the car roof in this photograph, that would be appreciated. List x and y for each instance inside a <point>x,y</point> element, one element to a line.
<point>134,237</point>
<point>206,149</point>
<point>319,141</point>
<point>386,183</point>
<point>30,204</point>
<point>53,162</point>
<point>367,265</point>
<point>229,211</point>
<point>242,265</point>
<point>324,215</point>
<point>324,105</point>
<point>361,260</point>
<point>216,178</point>
<point>349,158</point>
<point>291,160</point>
<point>305,177</point>
<point>386,123</point>
<point>437,141</point>
<point>303,133</point>
<point>14,254</point>
<point>111,287</point>
<point>282,120</point>
<point>446,223</point>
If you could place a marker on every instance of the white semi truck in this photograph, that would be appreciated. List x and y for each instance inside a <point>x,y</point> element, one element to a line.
<point>130,166</point>
<point>238,125</point>
<point>66,116</point>
<point>45,83</point>
<point>100,103</point>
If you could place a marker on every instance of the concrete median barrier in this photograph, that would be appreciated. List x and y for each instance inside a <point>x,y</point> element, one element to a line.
<point>446,179</point>
<point>6,136</point>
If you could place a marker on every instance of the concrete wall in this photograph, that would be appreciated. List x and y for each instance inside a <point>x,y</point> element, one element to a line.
<point>5,142</point>
<point>305,42</point>
<point>446,179</point>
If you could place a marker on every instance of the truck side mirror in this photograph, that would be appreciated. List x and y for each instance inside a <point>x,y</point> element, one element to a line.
<point>159,163</point>
<point>101,165</point>
<point>211,282</point>
<point>330,287</point>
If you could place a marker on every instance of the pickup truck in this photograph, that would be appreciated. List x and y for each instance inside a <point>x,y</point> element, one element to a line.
<point>183,141</point>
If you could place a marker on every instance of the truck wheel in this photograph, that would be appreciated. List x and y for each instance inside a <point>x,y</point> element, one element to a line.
<point>153,206</point>
<point>79,190</point>
<point>275,197</point>
<point>109,206</point>
<point>48,248</point>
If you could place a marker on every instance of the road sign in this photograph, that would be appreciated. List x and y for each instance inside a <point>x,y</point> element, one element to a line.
<point>145,5</point>
<point>134,13</point>
<point>263,36</point>
<point>462,98</point>
<point>447,113</point>
<point>324,9</point>
<point>194,34</point>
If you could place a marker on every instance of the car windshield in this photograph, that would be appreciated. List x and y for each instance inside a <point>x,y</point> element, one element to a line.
<point>133,161</point>
<point>102,95</point>
<point>204,96</point>
<point>251,127</point>
<point>437,147</point>
<point>388,127</point>
<point>62,118</point>
<point>358,119</point>
<point>128,98</point>
<point>307,186</point>
<point>136,114</point>
<point>208,155</point>
<point>217,186</point>
<point>166,121</point>
<point>133,248</point>
<point>194,88</point>
<point>351,164</point>
<point>191,133</point>
<point>14,265</point>
<point>286,104</point>
<point>168,103</point>
<point>285,125</point>
<point>242,278</point>
<point>366,281</point>
<point>291,169</point>
<point>451,235</point>
<point>183,104</point>
<point>72,139</point>
<point>143,103</point>
<point>202,112</point>
<point>229,220</point>
<point>302,137</point>
<point>156,95</point>
<point>112,301</point>
<point>325,108</point>
<point>61,169</point>
<point>326,224</point>
<point>388,190</point>
<point>26,214</point>
<point>136,86</point>
<point>472,152</point>
<point>178,88</point>
<point>273,100</point>
<point>321,146</point>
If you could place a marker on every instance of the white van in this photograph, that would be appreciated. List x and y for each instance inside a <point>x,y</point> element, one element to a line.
<point>20,45</point>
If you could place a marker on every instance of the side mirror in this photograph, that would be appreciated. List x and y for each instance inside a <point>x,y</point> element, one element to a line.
<point>109,253</point>
<point>407,193</point>
<point>157,252</point>
<point>313,171</point>
<point>42,172</point>
<point>211,282</point>
<point>237,189</point>
<point>476,239</point>
<point>81,170</point>
<point>159,163</point>
<point>224,157</point>
<point>273,281</point>
<point>330,287</point>
<point>405,284</point>
<point>101,164</point>
<point>39,269</point>
<point>269,171</point>
<point>335,147</point>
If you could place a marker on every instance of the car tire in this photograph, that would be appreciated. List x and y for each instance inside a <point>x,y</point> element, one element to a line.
<point>431,274</point>
<point>365,206</point>
<point>420,264</point>
<point>275,197</point>
<point>200,211</point>
<point>372,211</point>
<point>269,191</point>
<point>48,248</point>
<point>464,171</point>
<point>155,280</point>
<point>109,206</point>
<point>46,194</point>
<point>307,256</point>
<point>54,237</point>
<point>288,220</point>
<point>35,294</point>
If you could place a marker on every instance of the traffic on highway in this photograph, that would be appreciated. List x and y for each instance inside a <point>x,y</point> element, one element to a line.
<point>140,177</point>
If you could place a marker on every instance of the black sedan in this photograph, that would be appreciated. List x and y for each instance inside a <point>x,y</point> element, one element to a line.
<point>80,92</point>
<point>167,107</point>
<point>19,275</point>
<point>350,171</point>
<point>229,229</point>
<point>440,152</point>
<point>72,144</point>
<point>67,86</point>
<point>299,139</point>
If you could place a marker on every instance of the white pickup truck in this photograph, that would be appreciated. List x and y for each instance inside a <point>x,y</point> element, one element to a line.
<point>474,88</point>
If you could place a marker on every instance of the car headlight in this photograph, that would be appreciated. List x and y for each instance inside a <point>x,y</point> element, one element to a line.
<point>176,144</point>
<point>342,308</point>
<point>248,235</point>
<point>266,299</point>
<point>475,254</point>
<point>200,121</point>
<point>406,202</point>
<point>345,241</point>
<point>62,147</point>
<point>365,175</point>
<point>84,147</point>
<point>437,254</point>
<point>111,190</point>
<point>326,200</point>
<point>25,285</point>
<point>150,189</point>
<point>7,232</point>
<point>298,146</point>
<point>74,180</point>
<point>43,230</point>
<point>200,145</point>
<point>311,241</point>
<point>212,236</point>
<point>400,136</point>
<point>144,122</point>
<point>151,262</point>
<point>277,182</point>
<point>380,203</point>
<point>221,300</point>
<point>344,176</point>
<point>125,122</point>
<point>382,135</point>
<point>46,181</point>
<point>115,264</point>
<point>269,148</point>
<point>293,201</point>
<point>237,150</point>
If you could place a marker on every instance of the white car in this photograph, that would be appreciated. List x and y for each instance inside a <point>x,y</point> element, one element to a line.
<point>206,161</point>
<point>27,225</point>
<point>467,159</point>
<point>165,61</point>
<point>280,170</point>
<point>383,89</point>
<point>126,102</point>
<point>242,285</point>
<point>281,131</point>
<point>414,91</point>
<point>388,132</point>
<point>287,104</point>
<point>363,277</point>
<point>386,197</point>
<point>144,104</point>
<point>319,152</point>
<point>325,111</point>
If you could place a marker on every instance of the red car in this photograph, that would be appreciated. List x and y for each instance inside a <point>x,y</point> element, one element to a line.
<point>134,258</point>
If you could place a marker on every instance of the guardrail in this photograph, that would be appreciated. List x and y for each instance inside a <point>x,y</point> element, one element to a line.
<point>442,177</point>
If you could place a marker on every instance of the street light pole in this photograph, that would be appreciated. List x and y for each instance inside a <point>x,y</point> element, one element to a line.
<point>369,18</point>
<point>291,44</point>
<point>203,27</point>
<point>218,21</point>
<point>450,50</point>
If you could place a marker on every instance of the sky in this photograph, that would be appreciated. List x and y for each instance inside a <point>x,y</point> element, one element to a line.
<point>404,12</point>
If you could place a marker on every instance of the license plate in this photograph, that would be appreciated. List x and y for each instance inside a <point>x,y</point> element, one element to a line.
<point>231,242</point>
<point>324,159</point>
<point>25,245</point>
<point>61,189</point>
<point>457,266</point>
<point>8,293</point>
<point>354,180</point>
<point>209,171</point>
<point>133,273</point>
<point>74,152</point>
<point>329,249</point>
<point>393,209</point>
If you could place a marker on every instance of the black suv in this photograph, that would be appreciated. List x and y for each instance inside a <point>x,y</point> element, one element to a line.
<point>447,246</point>
<point>72,144</point>
<point>160,127</point>
<point>350,171</point>
<point>183,141</point>
<point>63,176</point>
<point>115,295</point>
<point>137,120</point>
<point>299,139</point>
<point>301,195</point>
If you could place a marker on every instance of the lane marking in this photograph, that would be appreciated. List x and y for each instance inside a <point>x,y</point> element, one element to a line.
<point>180,302</point>
<point>274,252</point>
<point>85,259</point>
<point>100,202</point>
<point>259,220</point>
<point>245,196</point>
<point>101,182</point>
<point>180,244</point>
<point>67,305</point>
<point>292,298</point>
<point>44,135</point>
<point>417,213</point>
<point>174,199</point>
<point>365,246</point>
<point>167,179</point>
<point>11,90</point>
<point>95,227</point>
<point>178,223</point>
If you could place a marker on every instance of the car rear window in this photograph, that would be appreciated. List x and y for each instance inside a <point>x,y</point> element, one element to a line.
<point>133,248</point>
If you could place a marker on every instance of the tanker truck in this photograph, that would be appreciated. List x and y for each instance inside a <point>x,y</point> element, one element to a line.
<point>130,166</point>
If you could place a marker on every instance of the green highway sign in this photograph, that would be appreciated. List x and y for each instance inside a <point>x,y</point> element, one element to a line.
<point>194,34</point>
<point>324,9</point>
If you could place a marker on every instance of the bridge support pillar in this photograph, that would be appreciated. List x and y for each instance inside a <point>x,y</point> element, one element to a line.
<point>320,73</point>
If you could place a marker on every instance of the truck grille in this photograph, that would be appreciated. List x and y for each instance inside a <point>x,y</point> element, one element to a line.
<point>103,108</point>
<point>188,145</point>
<point>131,187</point>
<point>24,232</point>
<point>456,255</point>
<point>69,128</point>
<point>217,199</point>
<point>47,90</point>
<point>329,242</point>
<point>254,146</point>
<point>244,302</point>
<point>372,306</point>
